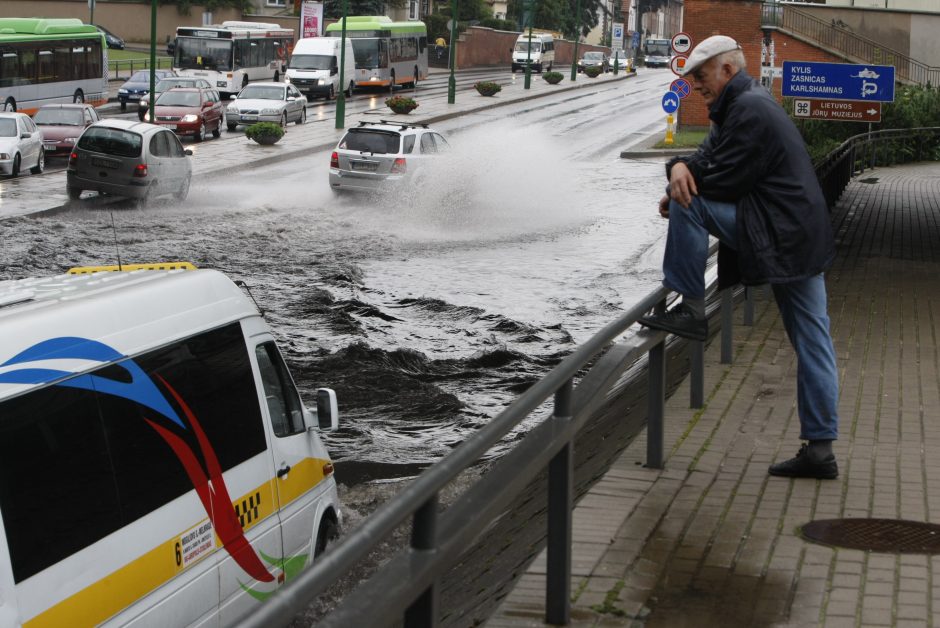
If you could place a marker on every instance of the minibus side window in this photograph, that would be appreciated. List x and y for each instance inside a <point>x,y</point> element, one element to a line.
<point>281,396</point>
<point>211,373</point>
<point>77,464</point>
<point>57,490</point>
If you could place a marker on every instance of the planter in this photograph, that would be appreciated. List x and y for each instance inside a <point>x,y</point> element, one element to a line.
<point>401,104</point>
<point>487,88</point>
<point>553,78</point>
<point>593,71</point>
<point>265,133</point>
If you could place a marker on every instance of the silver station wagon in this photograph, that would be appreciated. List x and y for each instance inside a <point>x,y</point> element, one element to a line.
<point>378,155</point>
<point>127,158</point>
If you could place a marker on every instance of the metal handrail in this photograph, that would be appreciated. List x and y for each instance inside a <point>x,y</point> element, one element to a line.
<point>835,36</point>
<point>406,584</point>
<point>115,66</point>
<point>868,150</point>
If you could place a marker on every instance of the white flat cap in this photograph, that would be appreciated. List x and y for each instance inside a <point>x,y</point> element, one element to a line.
<point>708,48</point>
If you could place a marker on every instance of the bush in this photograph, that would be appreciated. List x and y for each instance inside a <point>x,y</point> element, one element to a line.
<point>593,71</point>
<point>553,78</point>
<point>264,132</point>
<point>499,25</point>
<point>487,88</point>
<point>401,104</point>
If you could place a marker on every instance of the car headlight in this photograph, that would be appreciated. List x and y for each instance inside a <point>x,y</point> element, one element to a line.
<point>232,111</point>
<point>323,81</point>
<point>190,117</point>
<point>270,112</point>
<point>122,91</point>
<point>4,156</point>
<point>221,83</point>
<point>287,79</point>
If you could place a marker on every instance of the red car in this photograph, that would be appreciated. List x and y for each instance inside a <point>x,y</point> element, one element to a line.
<point>190,111</point>
<point>61,126</point>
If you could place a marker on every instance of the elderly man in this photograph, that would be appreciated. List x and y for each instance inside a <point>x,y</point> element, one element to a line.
<point>751,184</point>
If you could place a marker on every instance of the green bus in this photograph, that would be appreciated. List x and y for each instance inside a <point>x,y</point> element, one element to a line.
<point>387,53</point>
<point>51,61</point>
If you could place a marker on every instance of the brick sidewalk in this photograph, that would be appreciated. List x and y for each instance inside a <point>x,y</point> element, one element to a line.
<point>712,539</point>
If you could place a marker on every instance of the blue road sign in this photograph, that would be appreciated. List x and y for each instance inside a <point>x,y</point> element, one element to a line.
<point>670,102</point>
<point>635,40</point>
<point>838,81</point>
<point>681,87</point>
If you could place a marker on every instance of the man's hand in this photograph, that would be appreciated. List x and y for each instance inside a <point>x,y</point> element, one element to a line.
<point>681,185</point>
<point>664,207</point>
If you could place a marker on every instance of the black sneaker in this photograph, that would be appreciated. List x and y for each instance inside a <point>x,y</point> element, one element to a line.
<point>802,466</point>
<point>681,321</point>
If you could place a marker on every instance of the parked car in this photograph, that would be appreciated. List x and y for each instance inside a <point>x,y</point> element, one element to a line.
<point>266,102</point>
<point>593,58</point>
<point>20,144</point>
<point>112,40</point>
<point>62,124</point>
<point>377,155</point>
<point>168,83</point>
<point>138,85</point>
<point>129,158</point>
<point>190,111</point>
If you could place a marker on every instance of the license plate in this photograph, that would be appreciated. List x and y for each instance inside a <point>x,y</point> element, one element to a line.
<point>364,166</point>
<point>249,117</point>
<point>104,163</point>
<point>49,146</point>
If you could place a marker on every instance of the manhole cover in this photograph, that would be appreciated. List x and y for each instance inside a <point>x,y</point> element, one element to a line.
<point>876,535</point>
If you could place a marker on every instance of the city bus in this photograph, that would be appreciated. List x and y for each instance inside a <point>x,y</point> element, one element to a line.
<point>232,54</point>
<point>387,53</point>
<point>51,61</point>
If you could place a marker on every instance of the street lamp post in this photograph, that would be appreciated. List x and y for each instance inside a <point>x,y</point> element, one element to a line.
<point>452,61</point>
<point>528,54</point>
<point>341,96</point>
<point>577,39</point>
<point>153,59</point>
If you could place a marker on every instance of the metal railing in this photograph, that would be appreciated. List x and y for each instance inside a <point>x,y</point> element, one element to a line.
<point>122,69</point>
<point>407,585</point>
<point>836,36</point>
<point>868,150</point>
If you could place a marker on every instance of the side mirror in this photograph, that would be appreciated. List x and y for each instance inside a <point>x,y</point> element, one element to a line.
<point>188,151</point>
<point>233,97</point>
<point>327,412</point>
<point>334,71</point>
<point>26,136</point>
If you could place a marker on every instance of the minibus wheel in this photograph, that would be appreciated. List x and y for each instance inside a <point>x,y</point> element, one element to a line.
<point>327,534</point>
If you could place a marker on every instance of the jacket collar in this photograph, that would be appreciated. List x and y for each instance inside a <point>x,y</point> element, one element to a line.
<point>740,82</point>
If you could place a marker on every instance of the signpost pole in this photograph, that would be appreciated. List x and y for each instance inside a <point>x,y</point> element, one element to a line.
<point>577,39</point>
<point>153,60</point>
<point>452,80</point>
<point>528,54</point>
<point>341,96</point>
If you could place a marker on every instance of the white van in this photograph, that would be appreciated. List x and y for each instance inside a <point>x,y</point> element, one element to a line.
<point>314,67</point>
<point>157,465</point>
<point>542,55</point>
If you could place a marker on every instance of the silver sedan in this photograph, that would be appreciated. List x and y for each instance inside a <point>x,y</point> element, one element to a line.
<point>266,102</point>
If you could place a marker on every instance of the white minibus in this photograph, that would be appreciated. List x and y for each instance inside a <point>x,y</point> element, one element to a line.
<point>542,54</point>
<point>157,465</point>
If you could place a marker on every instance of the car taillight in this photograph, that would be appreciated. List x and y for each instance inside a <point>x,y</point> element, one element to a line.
<point>140,170</point>
<point>334,160</point>
<point>73,159</point>
<point>399,166</point>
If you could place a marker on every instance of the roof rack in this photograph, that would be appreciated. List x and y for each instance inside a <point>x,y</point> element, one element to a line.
<point>403,125</point>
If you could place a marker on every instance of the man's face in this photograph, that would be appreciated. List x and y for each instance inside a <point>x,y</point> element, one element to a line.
<point>710,78</point>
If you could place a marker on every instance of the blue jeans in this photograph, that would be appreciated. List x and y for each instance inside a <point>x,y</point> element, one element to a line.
<point>802,306</point>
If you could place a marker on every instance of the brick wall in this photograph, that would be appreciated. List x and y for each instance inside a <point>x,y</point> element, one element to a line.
<point>479,46</point>
<point>739,19</point>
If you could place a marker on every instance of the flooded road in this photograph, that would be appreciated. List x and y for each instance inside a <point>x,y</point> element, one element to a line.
<point>428,311</point>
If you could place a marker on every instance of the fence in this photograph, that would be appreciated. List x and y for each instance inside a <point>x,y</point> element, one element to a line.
<point>877,148</point>
<point>857,47</point>
<point>122,69</point>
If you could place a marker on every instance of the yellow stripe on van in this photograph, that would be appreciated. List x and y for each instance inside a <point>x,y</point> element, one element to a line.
<point>118,590</point>
<point>86,270</point>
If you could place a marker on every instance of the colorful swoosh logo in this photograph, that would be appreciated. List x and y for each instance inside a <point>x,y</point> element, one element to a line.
<point>206,477</point>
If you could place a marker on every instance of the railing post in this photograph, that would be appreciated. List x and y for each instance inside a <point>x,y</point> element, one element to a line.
<point>748,306</point>
<point>423,611</point>
<point>656,404</point>
<point>696,374</point>
<point>727,326</point>
<point>560,506</point>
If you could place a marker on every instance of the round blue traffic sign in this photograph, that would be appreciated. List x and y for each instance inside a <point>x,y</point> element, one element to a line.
<point>681,87</point>
<point>670,102</point>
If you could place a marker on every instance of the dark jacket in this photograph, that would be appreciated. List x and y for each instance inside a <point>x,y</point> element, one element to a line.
<point>755,157</point>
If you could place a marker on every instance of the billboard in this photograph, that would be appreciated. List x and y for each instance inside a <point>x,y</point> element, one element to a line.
<point>311,19</point>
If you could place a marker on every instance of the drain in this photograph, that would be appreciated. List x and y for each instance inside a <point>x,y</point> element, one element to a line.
<point>876,535</point>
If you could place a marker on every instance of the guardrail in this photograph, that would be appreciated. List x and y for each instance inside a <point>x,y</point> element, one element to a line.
<point>836,36</point>
<point>122,69</point>
<point>407,585</point>
<point>868,150</point>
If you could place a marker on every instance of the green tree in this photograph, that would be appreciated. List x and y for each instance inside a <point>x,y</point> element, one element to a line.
<point>183,6</point>
<point>558,15</point>
<point>334,8</point>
